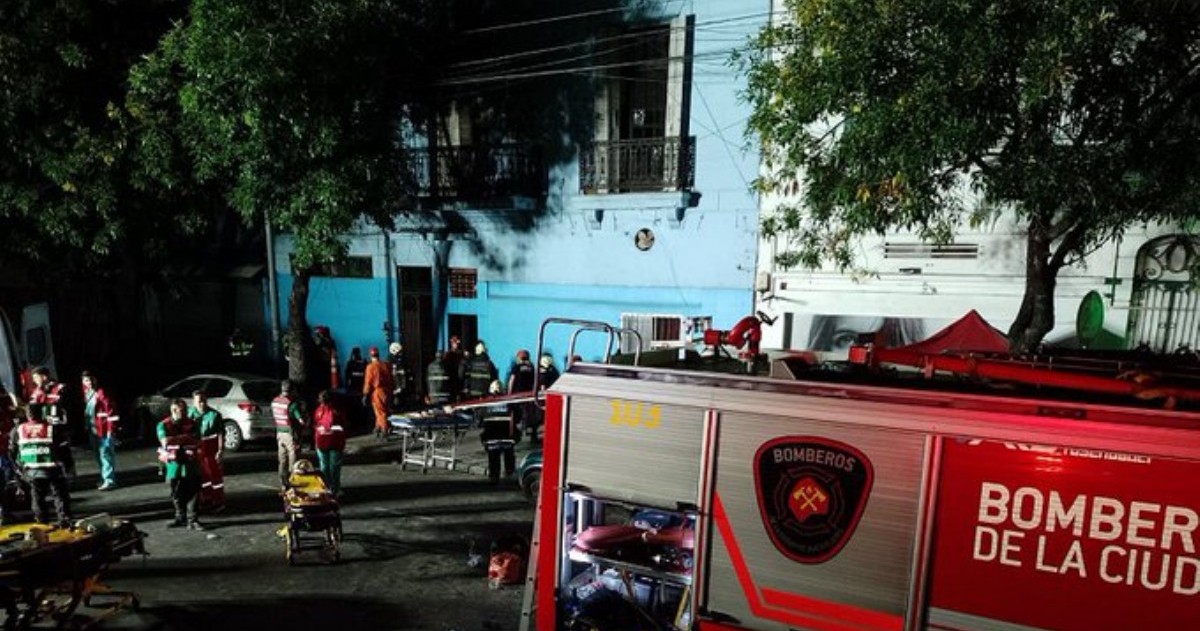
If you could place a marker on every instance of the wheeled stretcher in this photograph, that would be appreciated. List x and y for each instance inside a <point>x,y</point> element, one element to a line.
<point>314,520</point>
<point>431,437</point>
<point>46,572</point>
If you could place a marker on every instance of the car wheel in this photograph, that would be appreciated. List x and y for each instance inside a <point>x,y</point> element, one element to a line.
<point>233,436</point>
<point>531,485</point>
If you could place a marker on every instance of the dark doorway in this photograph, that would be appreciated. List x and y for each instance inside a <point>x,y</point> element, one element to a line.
<point>418,331</point>
<point>466,327</point>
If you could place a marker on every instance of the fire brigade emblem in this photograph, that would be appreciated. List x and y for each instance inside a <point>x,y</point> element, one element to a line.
<point>811,494</point>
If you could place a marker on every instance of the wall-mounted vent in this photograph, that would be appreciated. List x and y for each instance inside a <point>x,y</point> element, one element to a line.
<point>928,251</point>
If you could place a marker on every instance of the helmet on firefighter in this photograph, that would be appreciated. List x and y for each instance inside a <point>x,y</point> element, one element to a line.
<point>480,348</point>
<point>495,387</point>
<point>303,466</point>
<point>395,348</point>
<point>546,361</point>
<point>523,355</point>
<point>374,351</point>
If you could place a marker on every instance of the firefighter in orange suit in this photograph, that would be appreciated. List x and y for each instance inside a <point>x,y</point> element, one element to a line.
<point>377,389</point>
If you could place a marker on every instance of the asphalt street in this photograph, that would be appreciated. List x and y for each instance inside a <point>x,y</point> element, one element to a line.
<point>404,565</point>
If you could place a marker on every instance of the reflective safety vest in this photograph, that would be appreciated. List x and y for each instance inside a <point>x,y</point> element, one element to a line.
<point>284,413</point>
<point>47,399</point>
<point>35,447</point>
<point>480,374</point>
<point>438,383</point>
<point>499,430</point>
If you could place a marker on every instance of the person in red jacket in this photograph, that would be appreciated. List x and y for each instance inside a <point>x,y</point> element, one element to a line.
<point>330,441</point>
<point>100,416</point>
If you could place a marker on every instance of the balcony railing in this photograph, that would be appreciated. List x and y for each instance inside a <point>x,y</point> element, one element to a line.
<point>645,164</point>
<point>484,173</point>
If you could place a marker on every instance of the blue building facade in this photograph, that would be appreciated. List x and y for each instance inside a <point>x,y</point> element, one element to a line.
<point>652,220</point>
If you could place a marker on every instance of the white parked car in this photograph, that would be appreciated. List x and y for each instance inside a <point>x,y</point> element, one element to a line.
<point>243,400</point>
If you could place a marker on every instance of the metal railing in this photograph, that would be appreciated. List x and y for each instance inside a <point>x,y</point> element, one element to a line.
<point>478,172</point>
<point>645,164</point>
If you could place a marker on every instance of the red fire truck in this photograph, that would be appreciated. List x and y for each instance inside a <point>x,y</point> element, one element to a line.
<point>862,499</point>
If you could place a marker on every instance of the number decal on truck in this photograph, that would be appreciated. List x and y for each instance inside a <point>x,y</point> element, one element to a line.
<point>635,414</point>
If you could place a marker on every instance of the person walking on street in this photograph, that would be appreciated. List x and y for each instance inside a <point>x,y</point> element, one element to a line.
<point>377,391</point>
<point>480,374</point>
<point>101,418</point>
<point>330,439</point>
<point>400,385</point>
<point>212,448</point>
<point>520,381</point>
<point>8,470</point>
<point>288,413</point>
<point>356,374</point>
<point>547,372</point>
<point>33,442</point>
<point>454,361</point>
<point>499,436</point>
<point>437,381</point>
<point>179,440</point>
<point>47,397</point>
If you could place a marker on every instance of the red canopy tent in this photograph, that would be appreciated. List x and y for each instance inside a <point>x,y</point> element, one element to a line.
<point>969,334</point>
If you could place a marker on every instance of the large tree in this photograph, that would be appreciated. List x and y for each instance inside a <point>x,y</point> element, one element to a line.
<point>293,112</point>
<point>1081,117</point>
<point>71,229</point>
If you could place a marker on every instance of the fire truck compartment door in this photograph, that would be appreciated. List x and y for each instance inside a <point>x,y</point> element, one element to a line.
<point>856,568</point>
<point>635,451</point>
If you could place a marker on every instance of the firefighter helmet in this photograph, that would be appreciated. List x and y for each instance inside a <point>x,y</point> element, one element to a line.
<point>303,466</point>
<point>395,348</point>
<point>495,387</point>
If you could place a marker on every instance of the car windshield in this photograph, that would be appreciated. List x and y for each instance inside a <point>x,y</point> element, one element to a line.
<point>183,389</point>
<point>260,391</point>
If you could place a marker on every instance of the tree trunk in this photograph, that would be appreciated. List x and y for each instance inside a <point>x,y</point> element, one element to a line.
<point>299,341</point>
<point>1036,316</point>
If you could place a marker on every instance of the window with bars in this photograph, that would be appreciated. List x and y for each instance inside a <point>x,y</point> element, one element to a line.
<point>463,281</point>
<point>662,331</point>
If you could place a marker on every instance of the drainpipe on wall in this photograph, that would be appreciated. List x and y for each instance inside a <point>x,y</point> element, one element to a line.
<point>272,293</point>
<point>393,331</point>
<point>441,276</point>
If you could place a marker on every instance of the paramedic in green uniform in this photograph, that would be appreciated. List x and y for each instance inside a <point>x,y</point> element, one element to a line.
<point>212,444</point>
<point>179,440</point>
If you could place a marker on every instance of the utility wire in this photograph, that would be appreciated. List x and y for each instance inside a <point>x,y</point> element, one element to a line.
<point>469,80</point>
<point>701,26</point>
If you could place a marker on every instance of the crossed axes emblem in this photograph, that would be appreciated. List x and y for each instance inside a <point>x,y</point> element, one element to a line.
<point>810,497</point>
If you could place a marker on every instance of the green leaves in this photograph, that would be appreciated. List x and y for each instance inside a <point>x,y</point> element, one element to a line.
<point>893,113</point>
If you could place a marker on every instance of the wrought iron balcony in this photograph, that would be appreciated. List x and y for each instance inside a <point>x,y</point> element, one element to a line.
<point>642,165</point>
<point>478,174</point>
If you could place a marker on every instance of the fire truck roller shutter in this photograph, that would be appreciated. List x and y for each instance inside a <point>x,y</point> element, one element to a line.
<point>636,451</point>
<point>772,470</point>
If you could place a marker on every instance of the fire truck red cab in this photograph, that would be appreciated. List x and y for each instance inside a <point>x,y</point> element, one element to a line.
<point>676,499</point>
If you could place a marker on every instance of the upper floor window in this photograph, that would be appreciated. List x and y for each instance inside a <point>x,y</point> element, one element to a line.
<point>641,126</point>
<point>349,267</point>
